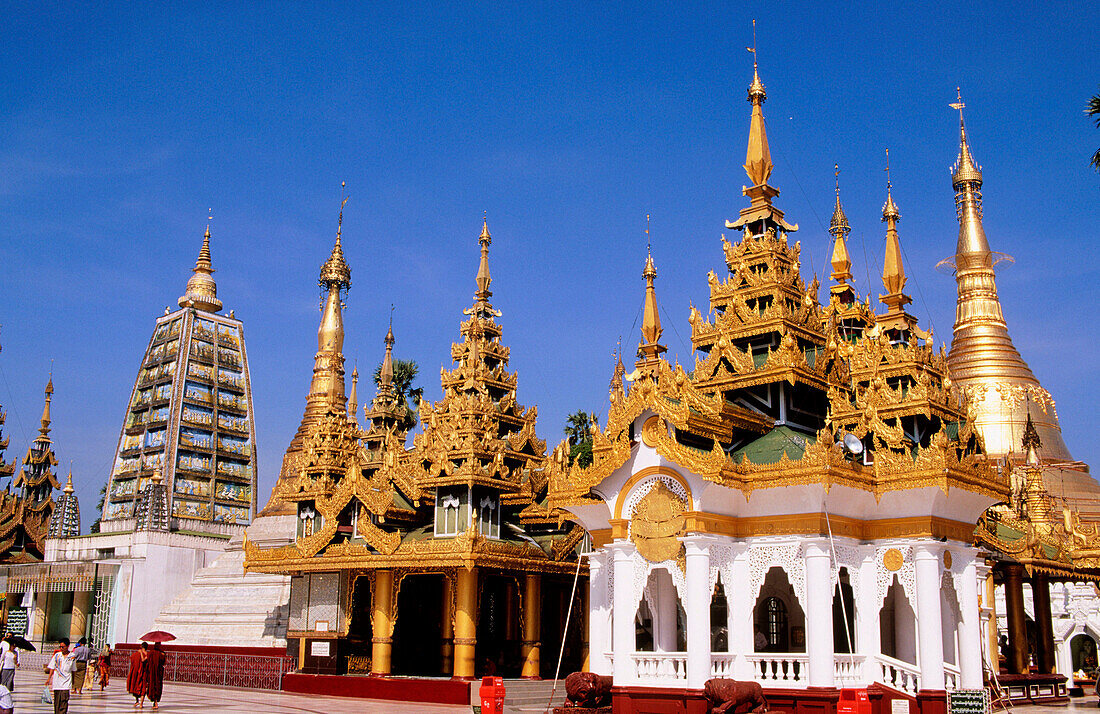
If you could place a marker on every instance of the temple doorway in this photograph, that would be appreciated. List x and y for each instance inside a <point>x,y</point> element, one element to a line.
<point>418,634</point>
<point>898,625</point>
<point>844,615</point>
<point>499,644</point>
<point>660,620</point>
<point>779,622</point>
<point>556,592</point>
<point>357,652</point>
<point>1082,650</point>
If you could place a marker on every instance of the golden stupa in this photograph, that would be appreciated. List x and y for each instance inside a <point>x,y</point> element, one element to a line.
<point>1000,387</point>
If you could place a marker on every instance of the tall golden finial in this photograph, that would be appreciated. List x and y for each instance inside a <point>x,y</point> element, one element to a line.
<point>965,170</point>
<point>839,229</point>
<point>893,268</point>
<point>353,397</point>
<point>1031,441</point>
<point>69,484</point>
<point>651,318</point>
<point>202,292</point>
<point>386,375</point>
<point>484,279</point>
<point>335,272</point>
<point>758,157</point>
<point>44,430</point>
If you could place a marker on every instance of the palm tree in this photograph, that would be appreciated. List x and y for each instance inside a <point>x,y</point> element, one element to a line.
<point>408,396</point>
<point>99,508</point>
<point>578,427</point>
<point>1093,110</point>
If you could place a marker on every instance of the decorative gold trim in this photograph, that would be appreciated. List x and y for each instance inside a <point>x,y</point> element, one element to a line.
<point>892,560</point>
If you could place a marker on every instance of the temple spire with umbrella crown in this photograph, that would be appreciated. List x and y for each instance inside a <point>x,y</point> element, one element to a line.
<point>65,519</point>
<point>841,261</point>
<point>44,430</point>
<point>897,322</point>
<point>202,291</point>
<point>649,349</point>
<point>353,398</point>
<point>758,163</point>
<point>982,359</point>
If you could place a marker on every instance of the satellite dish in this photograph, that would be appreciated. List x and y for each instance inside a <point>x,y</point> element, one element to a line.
<point>853,444</point>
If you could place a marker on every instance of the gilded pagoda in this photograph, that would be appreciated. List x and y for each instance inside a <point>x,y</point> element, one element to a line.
<point>797,507</point>
<point>27,503</point>
<point>442,558</point>
<point>189,419</point>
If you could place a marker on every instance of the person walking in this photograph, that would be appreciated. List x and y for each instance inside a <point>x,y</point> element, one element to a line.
<point>61,676</point>
<point>135,680</point>
<point>80,670</point>
<point>103,663</point>
<point>154,674</point>
<point>9,660</point>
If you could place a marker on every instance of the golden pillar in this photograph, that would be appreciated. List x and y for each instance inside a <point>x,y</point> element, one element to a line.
<point>381,620</point>
<point>1018,659</point>
<point>1044,624</point>
<point>78,625</point>
<point>532,610</point>
<point>447,633</point>
<point>465,630</point>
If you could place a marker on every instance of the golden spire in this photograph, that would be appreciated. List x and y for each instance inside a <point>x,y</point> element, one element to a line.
<point>69,484</point>
<point>758,158</point>
<point>335,271</point>
<point>620,370</point>
<point>839,228</point>
<point>893,269</point>
<point>353,398</point>
<point>651,317</point>
<point>202,291</point>
<point>386,376</point>
<point>44,430</point>
<point>758,161</point>
<point>483,278</point>
<point>983,360</point>
<point>1031,441</point>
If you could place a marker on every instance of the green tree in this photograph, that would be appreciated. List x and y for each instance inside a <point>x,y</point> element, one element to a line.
<point>99,508</point>
<point>408,396</point>
<point>1093,110</point>
<point>578,428</point>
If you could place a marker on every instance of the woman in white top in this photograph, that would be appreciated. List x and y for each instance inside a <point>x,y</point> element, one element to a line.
<point>9,660</point>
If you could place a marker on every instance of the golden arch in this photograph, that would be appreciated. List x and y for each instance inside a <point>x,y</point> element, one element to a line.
<point>646,473</point>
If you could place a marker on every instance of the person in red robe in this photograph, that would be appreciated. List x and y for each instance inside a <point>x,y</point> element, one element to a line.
<point>154,674</point>
<point>135,680</point>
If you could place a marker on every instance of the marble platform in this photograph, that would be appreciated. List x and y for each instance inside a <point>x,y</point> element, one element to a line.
<point>224,606</point>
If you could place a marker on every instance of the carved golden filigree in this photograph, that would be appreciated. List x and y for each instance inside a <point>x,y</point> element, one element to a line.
<point>658,523</point>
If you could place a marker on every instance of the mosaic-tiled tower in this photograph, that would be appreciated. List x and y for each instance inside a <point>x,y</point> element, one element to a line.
<point>190,417</point>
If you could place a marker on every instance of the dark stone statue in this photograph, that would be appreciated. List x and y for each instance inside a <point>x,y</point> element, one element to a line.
<point>585,690</point>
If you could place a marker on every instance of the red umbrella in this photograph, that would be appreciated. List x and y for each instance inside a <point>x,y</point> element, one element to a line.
<point>157,636</point>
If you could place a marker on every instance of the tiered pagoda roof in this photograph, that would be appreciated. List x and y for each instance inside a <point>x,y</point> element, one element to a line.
<point>470,491</point>
<point>25,515</point>
<point>781,380</point>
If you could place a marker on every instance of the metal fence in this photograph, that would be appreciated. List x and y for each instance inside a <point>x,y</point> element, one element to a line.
<point>223,670</point>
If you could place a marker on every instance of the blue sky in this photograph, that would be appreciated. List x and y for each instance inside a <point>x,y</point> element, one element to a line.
<point>120,125</point>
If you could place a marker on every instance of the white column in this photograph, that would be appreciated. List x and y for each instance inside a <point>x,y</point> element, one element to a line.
<point>819,615</point>
<point>623,614</point>
<point>664,619</point>
<point>868,634</point>
<point>741,603</point>
<point>926,561</point>
<point>970,630</point>
<point>698,610</point>
<point>599,610</point>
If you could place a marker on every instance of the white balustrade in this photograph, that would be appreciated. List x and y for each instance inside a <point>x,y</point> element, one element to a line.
<point>899,675</point>
<point>722,665</point>
<point>780,669</point>
<point>951,675</point>
<point>848,670</point>
<point>659,667</point>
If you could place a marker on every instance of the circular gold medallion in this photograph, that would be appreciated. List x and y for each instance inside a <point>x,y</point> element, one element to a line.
<point>947,559</point>
<point>892,559</point>
<point>649,431</point>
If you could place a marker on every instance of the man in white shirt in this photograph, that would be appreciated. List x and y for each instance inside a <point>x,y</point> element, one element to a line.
<point>61,676</point>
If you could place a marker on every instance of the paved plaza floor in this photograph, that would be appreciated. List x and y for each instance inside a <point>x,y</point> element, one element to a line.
<point>202,699</point>
<point>198,698</point>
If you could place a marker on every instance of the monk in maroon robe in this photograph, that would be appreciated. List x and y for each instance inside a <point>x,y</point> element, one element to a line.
<point>135,680</point>
<point>154,674</point>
